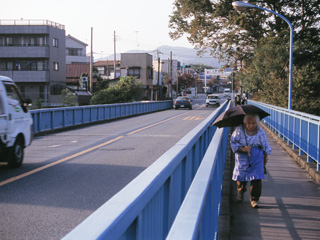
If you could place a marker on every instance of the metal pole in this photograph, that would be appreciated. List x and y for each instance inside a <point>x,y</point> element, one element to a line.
<point>158,79</point>
<point>171,73</point>
<point>242,6</point>
<point>205,80</point>
<point>114,55</point>
<point>91,56</point>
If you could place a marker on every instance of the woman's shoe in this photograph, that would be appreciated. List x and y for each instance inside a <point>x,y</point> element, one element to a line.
<point>254,204</point>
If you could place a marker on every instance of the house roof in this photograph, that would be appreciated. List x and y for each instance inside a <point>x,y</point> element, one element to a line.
<point>77,40</point>
<point>105,63</point>
<point>76,69</point>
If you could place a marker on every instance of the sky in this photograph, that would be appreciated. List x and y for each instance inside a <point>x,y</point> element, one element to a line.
<point>139,24</point>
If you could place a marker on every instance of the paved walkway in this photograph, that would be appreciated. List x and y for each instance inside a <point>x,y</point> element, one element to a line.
<point>290,204</point>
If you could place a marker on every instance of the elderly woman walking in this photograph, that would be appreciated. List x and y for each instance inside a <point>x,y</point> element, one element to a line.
<point>251,148</point>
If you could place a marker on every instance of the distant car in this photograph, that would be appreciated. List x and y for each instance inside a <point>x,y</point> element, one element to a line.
<point>209,91</point>
<point>227,93</point>
<point>183,102</point>
<point>213,100</point>
<point>188,91</point>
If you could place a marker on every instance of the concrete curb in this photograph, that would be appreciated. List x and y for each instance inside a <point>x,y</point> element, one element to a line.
<point>301,160</point>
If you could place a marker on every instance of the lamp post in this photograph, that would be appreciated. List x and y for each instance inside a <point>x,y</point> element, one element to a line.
<point>241,6</point>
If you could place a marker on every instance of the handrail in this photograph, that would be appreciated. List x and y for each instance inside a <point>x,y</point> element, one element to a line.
<point>199,212</point>
<point>147,206</point>
<point>302,130</point>
<point>59,118</point>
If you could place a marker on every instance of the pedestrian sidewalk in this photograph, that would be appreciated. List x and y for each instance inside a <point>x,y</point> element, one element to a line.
<point>289,206</point>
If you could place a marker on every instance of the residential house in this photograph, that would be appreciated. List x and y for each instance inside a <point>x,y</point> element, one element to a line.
<point>76,51</point>
<point>106,69</point>
<point>33,54</point>
<point>138,65</point>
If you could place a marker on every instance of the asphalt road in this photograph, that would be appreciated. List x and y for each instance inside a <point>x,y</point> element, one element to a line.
<point>68,175</point>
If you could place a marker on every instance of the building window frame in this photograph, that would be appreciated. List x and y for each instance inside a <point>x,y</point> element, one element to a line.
<point>55,42</point>
<point>134,72</point>
<point>55,66</point>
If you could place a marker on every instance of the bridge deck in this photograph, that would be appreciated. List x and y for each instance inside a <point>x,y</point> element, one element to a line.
<point>290,203</point>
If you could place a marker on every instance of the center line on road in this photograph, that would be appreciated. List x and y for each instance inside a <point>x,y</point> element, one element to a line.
<point>10,180</point>
<point>58,162</point>
<point>155,124</point>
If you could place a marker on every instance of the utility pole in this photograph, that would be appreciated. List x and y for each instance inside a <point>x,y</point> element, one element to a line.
<point>115,56</point>
<point>91,56</point>
<point>158,78</point>
<point>171,75</point>
<point>168,84</point>
<point>205,80</point>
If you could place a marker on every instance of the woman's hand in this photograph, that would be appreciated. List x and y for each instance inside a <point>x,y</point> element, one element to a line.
<point>246,149</point>
<point>265,159</point>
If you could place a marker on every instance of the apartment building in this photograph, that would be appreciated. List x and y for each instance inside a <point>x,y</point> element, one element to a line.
<point>33,54</point>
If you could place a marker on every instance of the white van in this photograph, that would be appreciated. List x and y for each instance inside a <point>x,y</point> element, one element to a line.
<point>15,123</point>
<point>227,93</point>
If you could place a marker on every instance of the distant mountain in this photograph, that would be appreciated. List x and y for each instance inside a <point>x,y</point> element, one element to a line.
<point>182,54</point>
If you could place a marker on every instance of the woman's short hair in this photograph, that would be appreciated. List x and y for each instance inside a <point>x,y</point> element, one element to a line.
<point>251,116</point>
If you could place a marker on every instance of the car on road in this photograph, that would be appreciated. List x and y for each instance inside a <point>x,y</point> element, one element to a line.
<point>213,100</point>
<point>16,122</point>
<point>227,93</point>
<point>183,102</point>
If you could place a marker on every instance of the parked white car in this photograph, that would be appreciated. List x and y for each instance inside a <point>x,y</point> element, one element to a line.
<point>15,123</point>
<point>213,100</point>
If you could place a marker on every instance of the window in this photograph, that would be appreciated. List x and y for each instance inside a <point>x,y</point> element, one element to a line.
<point>56,89</point>
<point>56,42</point>
<point>22,40</point>
<point>55,66</point>
<point>74,52</point>
<point>23,91</point>
<point>135,72</point>
<point>12,93</point>
<point>41,92</point>
<point>150,73</point>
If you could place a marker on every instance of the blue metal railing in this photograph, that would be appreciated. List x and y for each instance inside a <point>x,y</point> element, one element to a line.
<point>58,118</point>
<point>300,129</point>
<point>199,213</point>
<point>147,206</point>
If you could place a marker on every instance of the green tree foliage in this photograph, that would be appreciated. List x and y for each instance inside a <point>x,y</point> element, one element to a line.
<point>126,90</point>
<point>199,68</point>
<point>68,98</point>
<point>260,41</point>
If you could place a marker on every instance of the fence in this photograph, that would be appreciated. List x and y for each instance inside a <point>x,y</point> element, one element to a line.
<point>302,130</point>
<point>58,118</point>
<point>199,213</point>
<point>147,206</point>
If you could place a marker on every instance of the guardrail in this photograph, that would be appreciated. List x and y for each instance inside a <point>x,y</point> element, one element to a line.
<point>58,118</point>
<point>199,213</point>
<point>147,206</point>
<point>302,130</point>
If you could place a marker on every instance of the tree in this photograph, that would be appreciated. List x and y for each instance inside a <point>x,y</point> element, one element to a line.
<point>126,90</point>
<point>199,68</point>
<point>260,41</point>
<point>216,25</point>
<point>68,98</point>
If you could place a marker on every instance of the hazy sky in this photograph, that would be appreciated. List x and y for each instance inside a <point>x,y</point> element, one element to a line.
<point>136,22</point>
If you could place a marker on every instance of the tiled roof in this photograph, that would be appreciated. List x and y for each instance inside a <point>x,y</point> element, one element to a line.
<point>76,69</point>
<point>105,63</point>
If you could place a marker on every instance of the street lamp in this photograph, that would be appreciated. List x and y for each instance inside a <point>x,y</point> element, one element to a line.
<point>241,6</point>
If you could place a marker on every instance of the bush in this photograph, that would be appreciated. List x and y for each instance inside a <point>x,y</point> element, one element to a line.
<point>126,90</point>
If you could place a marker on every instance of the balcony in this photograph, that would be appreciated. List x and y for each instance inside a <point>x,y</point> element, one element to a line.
<point>24,52</point>
<point>27,76</point>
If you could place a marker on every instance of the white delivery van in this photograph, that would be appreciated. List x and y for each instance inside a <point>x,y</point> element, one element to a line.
<point>16,131</point>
